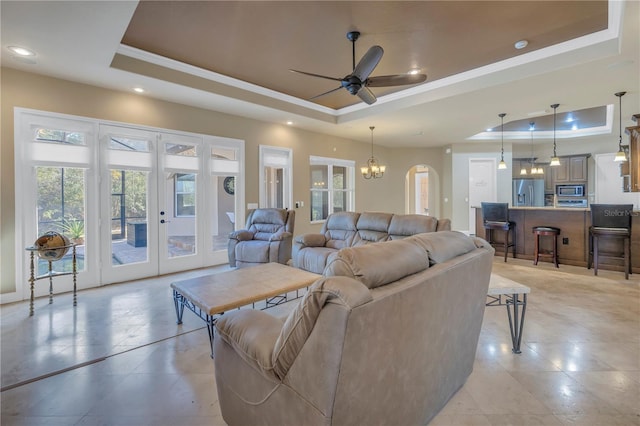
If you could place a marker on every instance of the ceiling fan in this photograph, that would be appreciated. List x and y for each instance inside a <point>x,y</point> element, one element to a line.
<point>358,82</point>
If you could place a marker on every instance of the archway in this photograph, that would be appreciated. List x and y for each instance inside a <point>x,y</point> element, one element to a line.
<point>422,191</point>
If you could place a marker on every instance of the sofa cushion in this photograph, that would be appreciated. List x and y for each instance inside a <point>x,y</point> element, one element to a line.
<point>266,222</point>
<point>405,225</point>
<point>378,264</point>
<point>372,228</point>
<point>340,229</point>
<point>256,250</point>
<point>314,260</point>
<point>443,245</point>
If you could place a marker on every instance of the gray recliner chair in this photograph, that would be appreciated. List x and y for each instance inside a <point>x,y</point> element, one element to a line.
<point>266,238</point>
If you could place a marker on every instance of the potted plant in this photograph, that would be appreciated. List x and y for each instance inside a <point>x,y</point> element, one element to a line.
<point>74,229</point>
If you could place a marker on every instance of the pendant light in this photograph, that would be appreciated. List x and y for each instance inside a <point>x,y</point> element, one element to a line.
<point>502,165</point>
<point>555,161</point>
<point>534,169</point>
<point>373,169</point>
<point>621,155</point>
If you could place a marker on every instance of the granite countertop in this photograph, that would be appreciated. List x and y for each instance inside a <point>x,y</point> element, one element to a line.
<point>572,209</point>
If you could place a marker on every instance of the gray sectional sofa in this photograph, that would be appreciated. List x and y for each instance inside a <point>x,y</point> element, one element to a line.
<point>350,229</point>
<point>386,337</point>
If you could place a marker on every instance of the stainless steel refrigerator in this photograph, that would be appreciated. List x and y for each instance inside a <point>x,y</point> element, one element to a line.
<point>528,193</point>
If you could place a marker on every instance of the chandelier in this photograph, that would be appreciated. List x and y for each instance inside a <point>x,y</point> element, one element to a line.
<point>373,169</point>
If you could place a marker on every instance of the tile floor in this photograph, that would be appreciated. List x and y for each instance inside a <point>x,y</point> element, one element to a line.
<point>119,358</point>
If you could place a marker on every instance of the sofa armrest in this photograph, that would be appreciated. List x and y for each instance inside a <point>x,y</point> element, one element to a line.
<point>241,235</point>
<point>252,334</point>
<point>311,240</point>
<point>444,225</point>
<point>342,291</point>
<point>280,236</point>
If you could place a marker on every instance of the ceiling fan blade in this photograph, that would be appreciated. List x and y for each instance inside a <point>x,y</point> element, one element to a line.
<point>316,75</point>
<point>395,80</point>
<point>326,93</point>
<point>368,62</point>
<point>367,95</point>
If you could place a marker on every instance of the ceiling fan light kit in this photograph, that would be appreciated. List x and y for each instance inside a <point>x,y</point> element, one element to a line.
<point>358,82</point>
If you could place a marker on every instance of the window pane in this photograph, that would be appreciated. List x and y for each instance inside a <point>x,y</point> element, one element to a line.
<point>340,201</point>
<point>60,136</point>
<point>319,176</point>
<point>128,216</point>
<point>185,194</point>
<point>319,205</point>
<point>182,150</point>
<point>223,153</point>
<point>339,177</point>
<point>61,201</point>
<point>127,144</point>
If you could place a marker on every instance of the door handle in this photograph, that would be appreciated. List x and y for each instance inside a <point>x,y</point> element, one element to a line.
<point>164,221</point>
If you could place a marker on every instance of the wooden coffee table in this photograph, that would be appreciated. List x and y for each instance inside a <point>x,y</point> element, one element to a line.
<point>210,296</point>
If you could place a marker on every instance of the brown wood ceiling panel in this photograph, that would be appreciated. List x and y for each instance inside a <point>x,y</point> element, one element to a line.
<point>258,42</point>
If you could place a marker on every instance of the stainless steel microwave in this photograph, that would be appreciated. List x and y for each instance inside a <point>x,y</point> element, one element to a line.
<point>570,190</point>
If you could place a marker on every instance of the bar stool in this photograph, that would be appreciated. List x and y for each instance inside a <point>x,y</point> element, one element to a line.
<point>610,221</point>
<point>495,217</point>
<point>544,231</point>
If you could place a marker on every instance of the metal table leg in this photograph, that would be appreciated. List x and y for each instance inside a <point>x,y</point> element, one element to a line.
<point>178,302</point>
<point>516,322</point>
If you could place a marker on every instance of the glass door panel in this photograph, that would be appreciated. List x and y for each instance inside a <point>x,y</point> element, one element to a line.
<point>128,240</point>
<point>224,196</point>
<point>128,216</point>
<point>61,208</point>
<point>179,199</point>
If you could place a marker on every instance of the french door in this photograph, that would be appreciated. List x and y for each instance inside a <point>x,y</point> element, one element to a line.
<point>145,201</point>
<point>161,189</point>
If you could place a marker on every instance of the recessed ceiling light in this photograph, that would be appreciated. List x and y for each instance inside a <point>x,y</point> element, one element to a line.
<point>21,51</point>
<point>138,89</point>
<point>521,44</point>
<point>489,130</point>
<point>289,123</point>
<point>414,71</point>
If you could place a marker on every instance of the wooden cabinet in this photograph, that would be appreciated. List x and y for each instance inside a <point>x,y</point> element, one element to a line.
<point>578,169</point>
<point>571,169</point>
<point>561,172</point>
<point>631,168</point>
<point>549,185</point>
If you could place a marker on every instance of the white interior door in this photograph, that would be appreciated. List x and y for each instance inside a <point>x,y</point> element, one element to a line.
<point>482,186</point>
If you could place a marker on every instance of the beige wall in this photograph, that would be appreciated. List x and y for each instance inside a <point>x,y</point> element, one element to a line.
<point>33,91</point>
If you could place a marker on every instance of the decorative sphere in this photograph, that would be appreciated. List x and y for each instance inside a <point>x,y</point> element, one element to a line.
<point>51,246</point>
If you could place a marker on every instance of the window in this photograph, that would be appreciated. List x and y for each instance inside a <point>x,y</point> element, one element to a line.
<point>332,186</point>
<point>60,136</point>
<point>185,193</point>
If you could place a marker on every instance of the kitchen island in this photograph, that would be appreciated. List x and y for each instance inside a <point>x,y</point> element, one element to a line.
<point>573,241</point>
